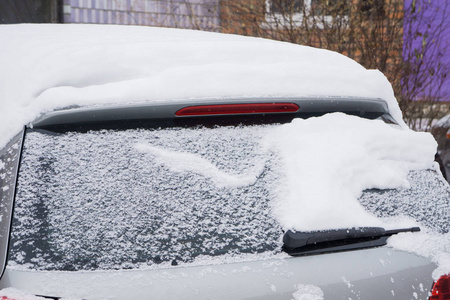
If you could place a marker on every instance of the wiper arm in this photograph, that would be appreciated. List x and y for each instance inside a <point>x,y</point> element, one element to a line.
<point>306,243</point>
<point>395,231</point>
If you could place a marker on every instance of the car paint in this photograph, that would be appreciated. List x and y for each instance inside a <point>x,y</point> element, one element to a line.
<point>378,273</point>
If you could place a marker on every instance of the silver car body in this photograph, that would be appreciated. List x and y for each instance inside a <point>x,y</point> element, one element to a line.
<point>373,273</point>
<point>380,273</point>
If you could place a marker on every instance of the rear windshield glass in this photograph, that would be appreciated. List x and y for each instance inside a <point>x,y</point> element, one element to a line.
<point>142,198</point>
<point>122,199</point>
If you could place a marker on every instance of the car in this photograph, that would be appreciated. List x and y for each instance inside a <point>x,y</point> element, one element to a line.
<point>259,190</point>
<point>441,132</point>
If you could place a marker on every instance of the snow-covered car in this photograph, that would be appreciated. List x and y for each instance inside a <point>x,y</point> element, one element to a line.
<point>441,132</point>
<point>149,163</point>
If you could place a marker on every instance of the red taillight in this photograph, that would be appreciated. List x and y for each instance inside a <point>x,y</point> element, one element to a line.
<point>228,109</point>
<point>441,288</point>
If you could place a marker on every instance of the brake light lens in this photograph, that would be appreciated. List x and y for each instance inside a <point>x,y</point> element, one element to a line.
<point>441,288</point>
<point>230,109</point>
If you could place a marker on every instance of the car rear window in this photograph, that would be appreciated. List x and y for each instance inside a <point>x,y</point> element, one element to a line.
<point>123,199</point>
<point>161,197</point>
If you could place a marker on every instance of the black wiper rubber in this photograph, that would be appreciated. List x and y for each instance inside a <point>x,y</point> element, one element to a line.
<point>316,242</point>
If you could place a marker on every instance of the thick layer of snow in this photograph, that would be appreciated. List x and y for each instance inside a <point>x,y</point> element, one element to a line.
<point>45,67</point>
<point>330,160</point>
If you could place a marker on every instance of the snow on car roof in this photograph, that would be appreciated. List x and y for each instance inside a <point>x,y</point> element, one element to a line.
<point>46,67</point>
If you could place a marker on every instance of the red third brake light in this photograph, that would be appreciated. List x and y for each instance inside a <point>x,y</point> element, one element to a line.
<point>230,109</point>
<point>441,288</point>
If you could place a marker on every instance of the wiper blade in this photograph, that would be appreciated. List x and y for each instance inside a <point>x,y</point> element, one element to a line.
<point>306,243</point>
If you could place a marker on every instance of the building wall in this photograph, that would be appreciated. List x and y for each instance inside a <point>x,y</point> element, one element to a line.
<point>431,31</point>
<point>243,17</point>
<point>195,14</point>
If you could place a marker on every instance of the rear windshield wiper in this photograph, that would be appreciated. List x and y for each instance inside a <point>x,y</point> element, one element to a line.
<point>316,242</point>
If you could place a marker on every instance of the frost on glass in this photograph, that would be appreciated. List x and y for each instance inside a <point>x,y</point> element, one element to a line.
<point>138,198</point>
<point>427,201</point>
<point>154,198</point>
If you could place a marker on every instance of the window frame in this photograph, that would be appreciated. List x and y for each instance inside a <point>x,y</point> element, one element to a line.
<point>298,18</point>
<point>7,209</point>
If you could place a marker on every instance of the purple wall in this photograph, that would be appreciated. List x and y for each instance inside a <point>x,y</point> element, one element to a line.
<point>430,16</point>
